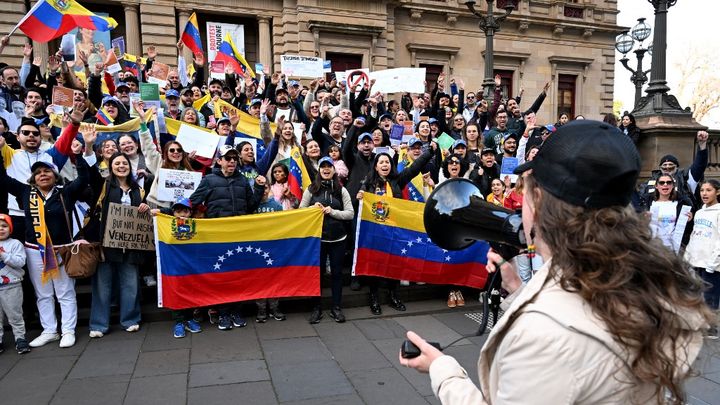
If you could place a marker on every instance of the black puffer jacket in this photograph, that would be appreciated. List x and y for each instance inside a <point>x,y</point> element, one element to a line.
<point>227,196</point>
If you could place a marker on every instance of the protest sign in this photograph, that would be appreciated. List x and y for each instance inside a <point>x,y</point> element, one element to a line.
<point>217,69</point>
<point>680,225</point>
<point>508,167</point>
<point>445,141</point>
<point>118,45</point>
<point>396,134</point>
<point>134,98</point>
<point>203,143</point>
<point>112,64</point>
<point>216,32</point>
<point>67,47</point>
<point>158,73</point>
<point>259,69</point>
<point>327,66</point>
<point>177,183</point>
<point>128,229</point>
<point>401,80</point>
<point>149,91</point>
<point>301,66</point>
<point>62,96</point>
<point>409,127</point>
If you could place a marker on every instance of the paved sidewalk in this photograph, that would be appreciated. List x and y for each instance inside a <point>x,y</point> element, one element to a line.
<point>288,362</point>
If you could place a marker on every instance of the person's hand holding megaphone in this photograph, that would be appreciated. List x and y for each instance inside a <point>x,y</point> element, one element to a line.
<point>510,279</point>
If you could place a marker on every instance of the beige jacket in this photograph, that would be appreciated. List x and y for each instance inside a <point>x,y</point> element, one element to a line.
<point>549,348</point>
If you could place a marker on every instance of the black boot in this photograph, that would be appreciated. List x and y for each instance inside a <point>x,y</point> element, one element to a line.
<point>395,302</point>
<point>375,305</point>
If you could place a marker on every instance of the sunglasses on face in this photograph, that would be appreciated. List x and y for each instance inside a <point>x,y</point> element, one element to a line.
<point>454,162</point>
<point>28,132</point>
<point>667,167</point>
<point>175,150</point>
<point>459,120</point>
<point>231,157</point>
<point>665,183</point>
<point>470,97</point>
<point>123,91</point>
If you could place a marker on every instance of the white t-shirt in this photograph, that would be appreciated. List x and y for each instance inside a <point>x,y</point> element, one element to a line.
<point>662,222</point>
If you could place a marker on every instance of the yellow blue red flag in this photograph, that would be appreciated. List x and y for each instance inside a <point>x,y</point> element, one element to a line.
<point>203,262</point>
<point>49,19</point>
<point>229,54</point>
<point>391,242</point>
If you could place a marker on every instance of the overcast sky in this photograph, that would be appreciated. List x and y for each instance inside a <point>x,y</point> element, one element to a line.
<point>692,24</point>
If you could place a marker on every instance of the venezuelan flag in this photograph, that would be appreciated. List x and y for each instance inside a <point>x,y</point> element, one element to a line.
<point>299,178</point>
<point>130,63</point>
<point>248,125</point>
<point>230,55</point>
<point>204,262</point>
<point>103,116</point>
<point>414,190</point>
<point>391,242</point>
<point>49,19</point>
<point>191,35</point>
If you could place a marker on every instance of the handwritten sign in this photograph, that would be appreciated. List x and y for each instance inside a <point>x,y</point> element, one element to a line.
<point>301,66</point>
<point>62,96</point>
<point>177,183</point>
<point>508,167</point>
<point>128,229</point>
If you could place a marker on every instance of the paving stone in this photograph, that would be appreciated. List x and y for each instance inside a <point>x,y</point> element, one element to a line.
<point>433,400</point>
<point>377,329</point>
<point>352,399</point>
<point>390,349</point>
<point>9,360</point>
<point>107,390</point>
<point>162,362</point>
<point>384,386</point>
<point>458,322</point>
<point>708,361</point>
<point>163,389</point>
<point>160,337</point>
<point>309,380</point>
<point>350,348</point>
<point>34,381</point>
<point>229,372</point>
<point>217,345</point>
<point>294,351</point>
<point>702,389</point>
<point>295,326</point>
<point>467,356</point>
<point>107,357</point>
<point>431,329</point>
<point>232,394</point>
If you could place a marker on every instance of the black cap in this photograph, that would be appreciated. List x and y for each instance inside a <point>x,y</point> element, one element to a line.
<point>669,158</point>
<point>587,163</point>
<point>216,81</point>
<point>487,150</point>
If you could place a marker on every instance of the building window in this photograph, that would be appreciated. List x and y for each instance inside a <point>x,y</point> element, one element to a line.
<point>506,83</point>
<point>432,72</point>
<point>500,4</point>
<point>566,95</point>
<point>341,62</point>
<point>574,12</point>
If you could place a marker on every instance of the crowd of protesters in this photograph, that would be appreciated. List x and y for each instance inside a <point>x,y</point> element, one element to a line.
<point>347,151</point>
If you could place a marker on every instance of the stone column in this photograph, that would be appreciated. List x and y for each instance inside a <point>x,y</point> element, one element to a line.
<point>40,49</point>
<point>183,16</point>
<point>265,42</point>
<point>132,30</point>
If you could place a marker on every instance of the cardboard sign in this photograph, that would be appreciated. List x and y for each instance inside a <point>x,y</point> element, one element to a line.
<point>128,229</point>
<point>159,73</point>
<point>62,96</point>
<point>149,91</point>
<point>177,183</point>
<point>301,66</point>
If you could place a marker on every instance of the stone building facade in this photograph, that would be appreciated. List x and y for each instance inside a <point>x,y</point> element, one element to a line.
<point>567,42</point>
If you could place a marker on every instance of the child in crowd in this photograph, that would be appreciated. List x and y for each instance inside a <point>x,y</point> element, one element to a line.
<point>340,168</point>
<point>703,250</point>
<point>268,204</point>
<point>12,255</point>
<point>184,320</point>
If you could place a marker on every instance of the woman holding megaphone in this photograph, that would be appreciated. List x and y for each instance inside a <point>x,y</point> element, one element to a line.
<point>612,317</point>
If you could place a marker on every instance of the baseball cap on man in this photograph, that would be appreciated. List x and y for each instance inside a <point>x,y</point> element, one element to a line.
<point>225,149</point>
<point>588,164</point>
<point>363,136</point>
<point>327,160</point>
<point>172,93</point>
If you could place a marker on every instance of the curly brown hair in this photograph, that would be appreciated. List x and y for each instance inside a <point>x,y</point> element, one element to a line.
<point>636,286</point>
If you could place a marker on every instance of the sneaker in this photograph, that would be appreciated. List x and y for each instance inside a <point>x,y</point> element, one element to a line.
<point>22,346</point>
<point>95,334</point>
<point>238,321</point>
<point>224,322</point>
<point>150,281</point>
<point>132,328</point>
<point>261,317</point>
<point>67,340</point>
<point>452,300</point>
<point>44,339</point>
<point>213,316</point>
<point>197,315</point>
<point>179,330</point>
<point>277,315</point>
<point>460,298</point>
<point>316,315</point>
<point>192,327</point>
<point>337,314</point>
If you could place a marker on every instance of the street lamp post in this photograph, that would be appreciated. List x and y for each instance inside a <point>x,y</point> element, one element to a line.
<point>658,101</point>
<point>624,44</point>
<point>490,24</point>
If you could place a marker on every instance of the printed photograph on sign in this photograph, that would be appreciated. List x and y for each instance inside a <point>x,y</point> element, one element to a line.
<point>95,44</point>
<point>177,183</point>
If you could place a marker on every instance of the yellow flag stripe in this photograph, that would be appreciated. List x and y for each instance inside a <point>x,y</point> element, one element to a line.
<point>401,213</point>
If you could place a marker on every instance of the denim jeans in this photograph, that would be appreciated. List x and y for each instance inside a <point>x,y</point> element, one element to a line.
<point>526,267</point>
<point>102,286</point>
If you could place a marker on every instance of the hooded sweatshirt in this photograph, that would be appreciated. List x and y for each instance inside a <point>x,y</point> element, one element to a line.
<point>703,250</point>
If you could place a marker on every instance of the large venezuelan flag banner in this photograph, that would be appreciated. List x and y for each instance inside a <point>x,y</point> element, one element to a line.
<point>49,19</point>
<point>391,242</point>
<point>204,262</point>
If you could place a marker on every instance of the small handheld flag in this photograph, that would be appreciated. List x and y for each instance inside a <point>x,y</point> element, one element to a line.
<point>191,35</point>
